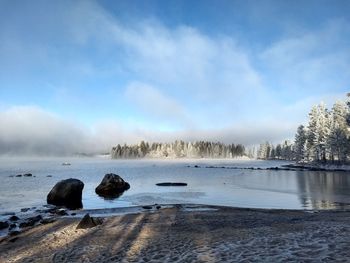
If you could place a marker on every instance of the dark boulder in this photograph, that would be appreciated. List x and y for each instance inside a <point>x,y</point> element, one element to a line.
<point>67,193</point>
<point>4,225</point>
<point>112,186</point>
<point>89,222</point>
<point>13,218</point>
<point>28,175</point>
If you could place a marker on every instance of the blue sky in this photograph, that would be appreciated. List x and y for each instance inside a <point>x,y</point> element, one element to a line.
<point>121,71</point>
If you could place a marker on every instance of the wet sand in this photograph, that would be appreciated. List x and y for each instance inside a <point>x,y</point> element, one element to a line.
<point>186,233</point>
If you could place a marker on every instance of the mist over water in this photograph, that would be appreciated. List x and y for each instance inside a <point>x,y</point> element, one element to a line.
<point>215,186</point>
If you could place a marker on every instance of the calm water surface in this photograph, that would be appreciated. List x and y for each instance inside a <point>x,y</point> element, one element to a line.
<point>241,188</point>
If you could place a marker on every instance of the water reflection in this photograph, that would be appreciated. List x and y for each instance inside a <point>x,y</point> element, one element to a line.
<point>324,190</point>
<point>229,187</point>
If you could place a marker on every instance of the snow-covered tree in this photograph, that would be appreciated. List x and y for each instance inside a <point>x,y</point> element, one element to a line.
<point>178,149</point>
<point>311,137</point>
<point>300,143</point>
<point>337,140</point>
<point>322,131</point>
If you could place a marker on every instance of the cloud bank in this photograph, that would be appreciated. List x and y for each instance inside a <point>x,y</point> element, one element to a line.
<point>27,130</point>
<point>98,80</point>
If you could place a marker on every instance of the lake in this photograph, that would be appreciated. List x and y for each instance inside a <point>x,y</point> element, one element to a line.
<point>215,186</point>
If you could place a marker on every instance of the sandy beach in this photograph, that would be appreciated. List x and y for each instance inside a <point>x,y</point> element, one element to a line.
<point>185,233</point>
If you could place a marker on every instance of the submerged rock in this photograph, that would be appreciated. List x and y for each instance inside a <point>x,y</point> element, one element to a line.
<point>112,186</point>
<point>171,184</point>
<point>89,222</point>
<point>67,193</point>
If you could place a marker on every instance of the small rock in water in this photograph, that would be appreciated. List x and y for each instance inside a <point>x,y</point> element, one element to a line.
<point>57,211</point>
<point>89,222</point>
<point>13,218</point>
<point>158,207</point>
<point>18,175</point>
<point>112,186</point>
<point>62,212</point>
<point>49,175</point>
<point>4,225</point>
<point>28,175</point>
<point>12,226</point>
<point>147,207</point>
<point>196,166</point>
<point>31,221</point>
<point>25,209</point>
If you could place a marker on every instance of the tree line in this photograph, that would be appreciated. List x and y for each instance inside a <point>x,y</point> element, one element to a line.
<point>178,149</point>
<point>282,151</point>
<point>326,137</point>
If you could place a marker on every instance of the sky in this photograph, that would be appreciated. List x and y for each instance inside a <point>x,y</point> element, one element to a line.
<point>82,76</point>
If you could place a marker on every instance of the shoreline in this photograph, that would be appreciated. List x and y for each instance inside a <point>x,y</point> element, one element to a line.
<point>185,232</point>
<point>286,167</point>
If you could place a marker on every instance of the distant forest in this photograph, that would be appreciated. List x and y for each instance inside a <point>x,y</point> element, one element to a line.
<point>326,138</point>
<point>178,149</point>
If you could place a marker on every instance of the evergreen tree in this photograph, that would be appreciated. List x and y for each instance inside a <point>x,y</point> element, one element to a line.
<point>337,139</point>
<point>321,132</point>
<point>311,140</point>
<point>300,143</point>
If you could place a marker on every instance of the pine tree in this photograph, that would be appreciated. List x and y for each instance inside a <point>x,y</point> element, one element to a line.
<point>311,140</point>
<point>337,139</point>
<point>300,143</point>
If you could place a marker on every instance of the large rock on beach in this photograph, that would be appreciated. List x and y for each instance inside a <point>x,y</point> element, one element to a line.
<point>112,186</point>
<point>67,193</point>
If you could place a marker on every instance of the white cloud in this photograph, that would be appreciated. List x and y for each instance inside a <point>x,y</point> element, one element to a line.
<point>156,105</point>
<point>199,85</point>
<point>192,68</point>
<point>311,62</point>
